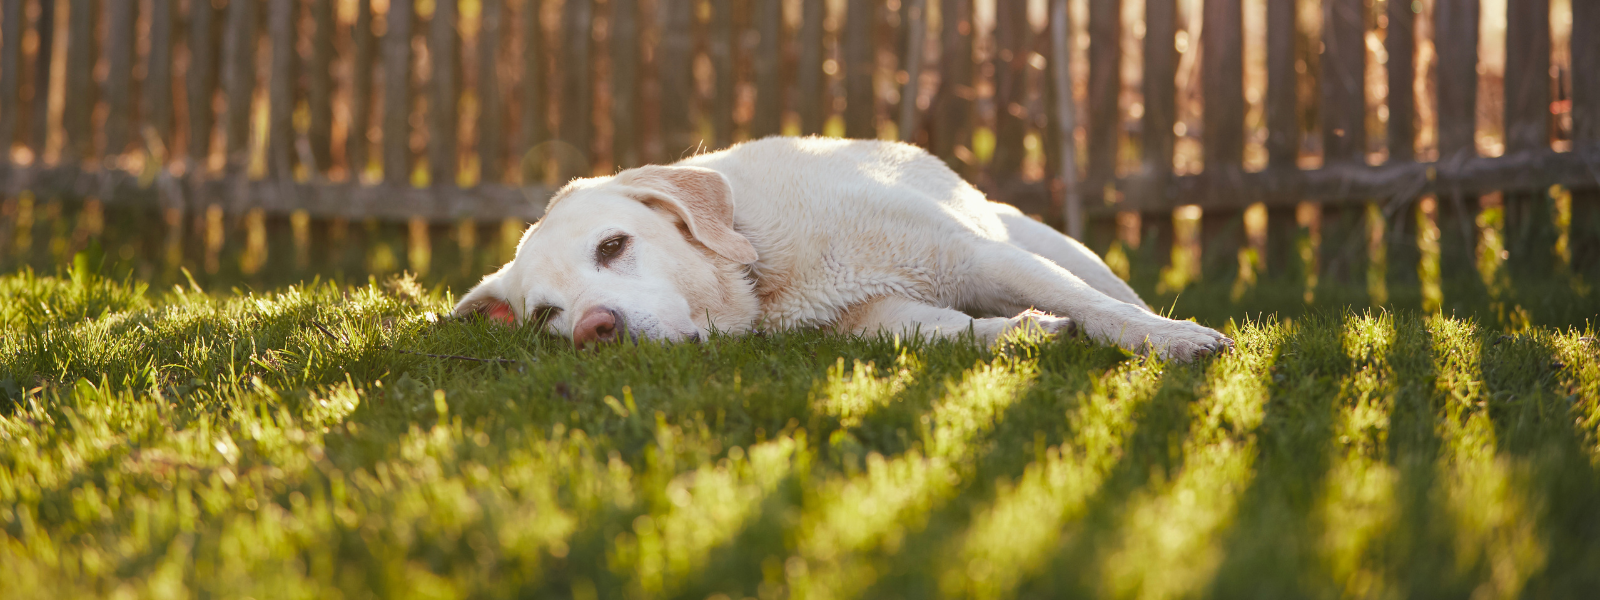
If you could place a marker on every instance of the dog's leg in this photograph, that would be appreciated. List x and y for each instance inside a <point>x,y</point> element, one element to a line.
<point>910,318</point>
<point>1008,279</point>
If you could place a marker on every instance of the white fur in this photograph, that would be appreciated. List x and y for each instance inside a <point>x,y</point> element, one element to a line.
<point>862,236</point>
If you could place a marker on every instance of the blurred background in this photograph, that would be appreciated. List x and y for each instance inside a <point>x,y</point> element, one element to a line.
<point>1259,154</point>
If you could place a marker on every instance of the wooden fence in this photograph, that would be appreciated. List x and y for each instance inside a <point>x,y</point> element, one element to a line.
<point>443,110</point>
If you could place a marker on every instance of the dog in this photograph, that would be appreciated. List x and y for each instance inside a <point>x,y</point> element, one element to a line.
<point>783,233</point>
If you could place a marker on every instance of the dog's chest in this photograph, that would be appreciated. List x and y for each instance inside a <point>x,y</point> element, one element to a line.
<point>812,291</point>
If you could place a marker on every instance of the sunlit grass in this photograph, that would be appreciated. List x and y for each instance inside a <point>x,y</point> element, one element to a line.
<point>301,442</point>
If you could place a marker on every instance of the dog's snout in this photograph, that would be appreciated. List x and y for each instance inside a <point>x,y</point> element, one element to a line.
<point>596,325</point>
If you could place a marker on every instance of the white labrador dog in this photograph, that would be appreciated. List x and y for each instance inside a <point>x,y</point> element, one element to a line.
<point>782,233</point>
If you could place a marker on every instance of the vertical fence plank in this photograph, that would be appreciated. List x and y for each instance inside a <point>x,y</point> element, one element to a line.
<point>357,141</point>
<point>1064,118</point>
<point>119,53</point>
<point>952,126</point>
<point>157,90</point>
<point>1527,76</point>
<point>1400,44</point>
<point>720,40</point>
<point>45,25</point>
<point>80,83</point>
<point>1456,37</point>
<point>280,89</point>
<point>1222,75</point>
<point>397,93</point>
<point>674,70</point>
<point>1160,84</point>
<point>10,62</point>
<point>443,45</point>
<point>1586,71</point>
<point>768,118</point>
<point>200,84</point>
<point>917,24</point>
<point>811,101</point>
<point>319,86</point>
<point>1283,124</point>
<point>1010,87</point>
<point>534,126</point>
<point>858,64</point>
<point>1344,106</point>
<point>624,82</point>
<point>576,117</point>
<point>238,82</point>
<point>1105,83</point>
<point>491,158</point>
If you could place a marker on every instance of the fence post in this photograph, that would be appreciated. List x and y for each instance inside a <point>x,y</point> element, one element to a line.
<point>534,126</point>
<point>577,103</point>
<point>397,93</point>
<point>768,119</point>
<point>624,82</point>
<point>280,91</point>
<point>1105,84</point>
<point>952,126</point>
<point>720,39</point>
<point>491,156</point>
<point>442,81</point>
<point>356,141</point>
<point>1010,88</point>
<point>1065,118</point>
<point>158,76</point>
<point>10,62</point>
<point>811,103</point>
<point>1585,71</point>
<point>860,109</point>
<point>678,136</point>
<point>917,23</point>
<point>1400,44</point>
<point>319,92</point>
<point>46,28</point>
<point>80,99</point>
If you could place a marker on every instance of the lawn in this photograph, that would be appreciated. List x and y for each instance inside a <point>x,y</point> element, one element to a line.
<point>328,440</point>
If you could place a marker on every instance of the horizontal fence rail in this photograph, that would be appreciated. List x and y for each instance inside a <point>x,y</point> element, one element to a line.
<point>1078,111</point>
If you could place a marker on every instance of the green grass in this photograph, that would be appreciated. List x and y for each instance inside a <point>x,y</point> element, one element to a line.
<point>301,443</point>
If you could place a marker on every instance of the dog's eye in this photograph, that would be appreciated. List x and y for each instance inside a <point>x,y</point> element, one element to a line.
<point>611,247</point>
<point>542,314</point>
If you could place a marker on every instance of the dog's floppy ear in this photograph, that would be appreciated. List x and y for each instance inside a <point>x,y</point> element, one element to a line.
<point>488,299</point>
<point>703,198</point>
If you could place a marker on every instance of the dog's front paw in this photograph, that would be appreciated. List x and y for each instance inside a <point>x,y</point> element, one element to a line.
<point>1035,321</point>
<point>1182,341</point>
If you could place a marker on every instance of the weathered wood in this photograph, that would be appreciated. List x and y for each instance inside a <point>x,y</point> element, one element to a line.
<point>1160,83</point>
<point>280,89</point>
<point>1222,83</point>
<point>625,83</point>
<point>1105,83</point>
<point>444,52</point>
<point>768,118</point>
<point>812,102</point>
<point>673,69</point>
<point>491,106</point>
<point>10,63</point>
<point>1064,118</point>
<point>1456,37</point>
<point>157,88</point>
<point>319,85</point>
<point>200,83</point>
<point>80,97</point>
<point>534,128</point>
<point>577,101</point>
<point>1395,183</point>
<point>917,25</point>
<point>1399,43</point>
<point>1527,76</point>
<point>238,82</point>
<point>720,40</point>
<point>119,55</point>
<point>1585,70</point>
<point>383,202</point>
<point>397,93</point>
<point>45,26</point>
<point>357,141</point>
<point>1282,106</point>
<point>857,61</point>
<point>1344,106</point>
<point>952,123</point>
<point>1010,65</point>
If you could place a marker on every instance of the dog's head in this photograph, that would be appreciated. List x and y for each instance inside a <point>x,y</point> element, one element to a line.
<point>648,253</point>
